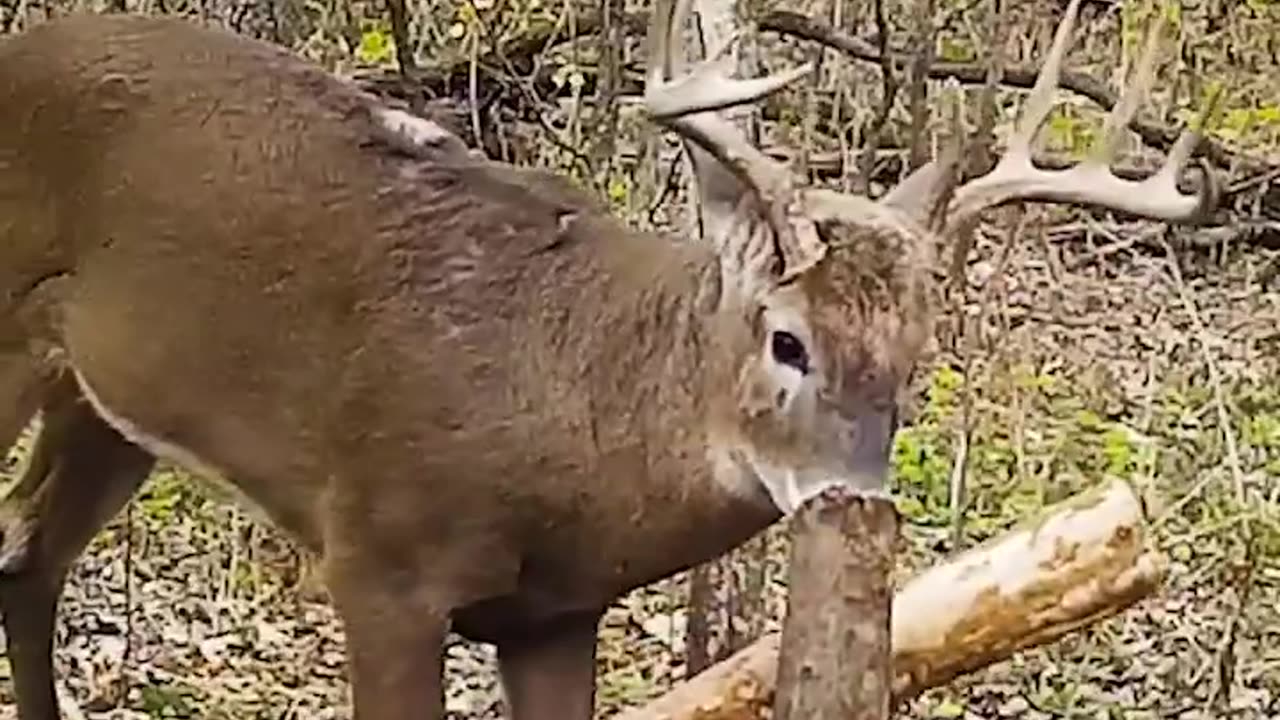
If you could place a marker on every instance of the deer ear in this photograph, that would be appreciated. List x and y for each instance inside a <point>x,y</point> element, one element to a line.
<point>924,194</point>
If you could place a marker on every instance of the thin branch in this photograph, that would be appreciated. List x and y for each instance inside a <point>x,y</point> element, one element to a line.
<point>473,85</point>
<point>975,73</point>
<point>67,702</point>
<point>1224,656</point>
<point>517,57</point>
<point>1225,426</point>
<point>922,59</point>
<point>888,95</point>
<point>400,36</point>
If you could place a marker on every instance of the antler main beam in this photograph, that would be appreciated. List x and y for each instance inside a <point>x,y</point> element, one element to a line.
<point>688,105</point>
<point>1090,182</point>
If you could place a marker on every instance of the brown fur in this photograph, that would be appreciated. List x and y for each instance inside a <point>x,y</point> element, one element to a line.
<point>464,387</point>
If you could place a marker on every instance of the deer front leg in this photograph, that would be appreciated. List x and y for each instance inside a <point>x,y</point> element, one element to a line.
<point>395,655</point>
<point>549,672</point>
<point>399,558</point>
<point>396,587</point>
<point>80,473</point>
<point>395,645</point>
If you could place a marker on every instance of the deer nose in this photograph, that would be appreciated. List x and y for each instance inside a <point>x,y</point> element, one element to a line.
<point>868,439</point>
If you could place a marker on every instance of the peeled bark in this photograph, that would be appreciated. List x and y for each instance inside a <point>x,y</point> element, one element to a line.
<point>838,611</point>
<point>1080,561</point>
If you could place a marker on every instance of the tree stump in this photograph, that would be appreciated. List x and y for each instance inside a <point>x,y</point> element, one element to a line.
<point>840,601</point>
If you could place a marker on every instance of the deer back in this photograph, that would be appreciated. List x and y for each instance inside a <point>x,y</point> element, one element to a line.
<point>248,266</point>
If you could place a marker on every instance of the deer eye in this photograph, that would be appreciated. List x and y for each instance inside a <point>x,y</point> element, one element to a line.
<point>788,350</point>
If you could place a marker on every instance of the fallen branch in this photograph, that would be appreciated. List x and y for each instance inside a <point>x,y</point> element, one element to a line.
<point>1081,561</point>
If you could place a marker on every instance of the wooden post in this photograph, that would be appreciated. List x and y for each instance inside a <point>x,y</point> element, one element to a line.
<point>838,617</point>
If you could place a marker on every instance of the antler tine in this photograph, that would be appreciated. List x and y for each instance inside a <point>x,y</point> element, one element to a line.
<point>706,86</point>
<point>1090,182</point>
<point>662,24</point>
<point>1127,106</point>
<point>1040,101</point>
<point>687,106</point>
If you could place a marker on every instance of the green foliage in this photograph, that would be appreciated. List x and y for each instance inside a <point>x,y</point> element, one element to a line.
<point>619,191</point>
<point>1067,132</point>
<point>922,454</point>
<point>624,686</point>
<point>1133,18</point>
<point>1017,466</point>
<point>166,495</point>
<point>946,709</point>
<point>1260,435</point>
<point>169,700</point>
<point>1251,122</point>
<point>1254,125</point>
<point>956,49</point>
<point>376,44</point>
<point>1136,17</point>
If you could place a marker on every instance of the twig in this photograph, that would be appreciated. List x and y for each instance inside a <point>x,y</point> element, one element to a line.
<point>1215,377</point>
<point>917,88</point>
<point>400,36</point>
<point>67,704</point>
<point>697,644</point>
<point>969,336</point>
<point>127,656</point>
<point>1223,663</point>
<point>521,52</point>
<point>1223,666</point>
<point>888,94</point>
<point>984,135</point>
<point>525,87</point>
<point>1262,178</point>
<point>472,85</point>
<point>1022,76</point>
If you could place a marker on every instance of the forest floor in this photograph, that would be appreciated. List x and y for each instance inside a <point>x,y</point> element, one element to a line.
<point>1100,352</point>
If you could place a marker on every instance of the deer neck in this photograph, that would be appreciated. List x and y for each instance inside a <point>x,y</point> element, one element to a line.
<point>659,353</point>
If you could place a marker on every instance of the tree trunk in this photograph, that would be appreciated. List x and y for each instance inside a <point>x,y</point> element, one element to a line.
<point>1078,563</point>
<point>838,610</point>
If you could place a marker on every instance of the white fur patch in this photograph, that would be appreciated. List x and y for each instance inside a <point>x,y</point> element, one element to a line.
<point>164,449</point>
<point>415,130</point>
<point>788,488</point>
<point>419,130</point>
<point>730,472</point>
<point>15,544</point>
<point>136,435</point>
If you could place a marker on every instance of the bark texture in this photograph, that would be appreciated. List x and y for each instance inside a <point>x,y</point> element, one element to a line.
<point>834,660</point>
<point>1079,562</point>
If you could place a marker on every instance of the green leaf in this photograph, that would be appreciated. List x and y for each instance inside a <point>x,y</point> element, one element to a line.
<point>376,46</point>
<point>947,709</point>
<point>618,189</point>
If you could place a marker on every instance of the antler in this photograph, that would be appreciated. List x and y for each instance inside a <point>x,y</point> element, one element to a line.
<point>1090,182</point>
<point>688,105</point>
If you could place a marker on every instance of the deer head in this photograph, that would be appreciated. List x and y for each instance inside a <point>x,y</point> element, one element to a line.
<point>835,287</point>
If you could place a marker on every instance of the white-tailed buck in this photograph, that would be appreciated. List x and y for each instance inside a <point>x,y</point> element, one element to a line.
<point>478,399</point>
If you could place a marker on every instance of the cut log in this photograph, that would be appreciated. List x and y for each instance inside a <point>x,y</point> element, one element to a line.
<point>838,610</point>
<point>1080,561</point>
